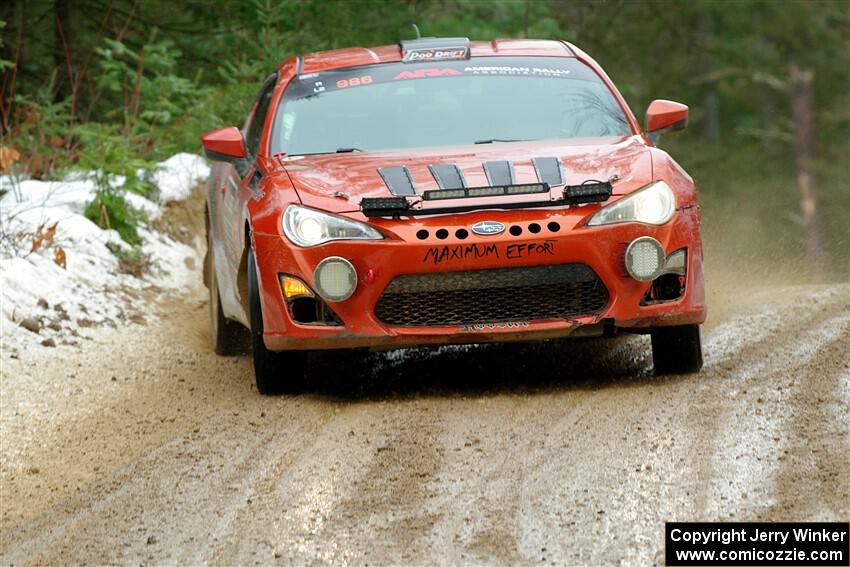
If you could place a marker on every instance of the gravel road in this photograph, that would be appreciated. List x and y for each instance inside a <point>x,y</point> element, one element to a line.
<point>144,447</point>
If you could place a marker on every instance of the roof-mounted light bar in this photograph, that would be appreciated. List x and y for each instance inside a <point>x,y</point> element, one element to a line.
<point>494,191</point>
<point>429,49</point>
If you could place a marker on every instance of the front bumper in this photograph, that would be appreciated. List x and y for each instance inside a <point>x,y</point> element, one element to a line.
<point>600,248</point>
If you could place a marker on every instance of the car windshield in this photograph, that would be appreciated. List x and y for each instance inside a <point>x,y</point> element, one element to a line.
<point>483,100</point>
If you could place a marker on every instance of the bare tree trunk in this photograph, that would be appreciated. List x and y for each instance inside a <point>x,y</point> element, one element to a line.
<point>711,108</point>
<point>802,110</point>
<point>22,16</point>
<point>67,22</point>
<point>710,99</point>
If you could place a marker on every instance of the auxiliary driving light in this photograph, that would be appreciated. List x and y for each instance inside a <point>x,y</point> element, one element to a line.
<point>336,278</point>
<point>644,258</point>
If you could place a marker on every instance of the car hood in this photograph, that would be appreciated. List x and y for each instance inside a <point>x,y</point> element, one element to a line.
<point>338,182</point>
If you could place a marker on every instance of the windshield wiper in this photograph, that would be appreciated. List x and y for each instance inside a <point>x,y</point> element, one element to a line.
<point>347,150</point>
<point>494,140</point>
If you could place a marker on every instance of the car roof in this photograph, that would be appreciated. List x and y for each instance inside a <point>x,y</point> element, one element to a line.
<point>356,56</point>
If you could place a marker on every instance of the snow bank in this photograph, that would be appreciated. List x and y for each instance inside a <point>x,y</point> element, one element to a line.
<point>42,303</point>
<point>176,176</point>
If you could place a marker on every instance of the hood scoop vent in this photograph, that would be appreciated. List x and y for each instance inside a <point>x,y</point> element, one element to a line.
<point>448,176</point>
<point>549,170</point>
<point>499,172</point>
<point>398,180</point>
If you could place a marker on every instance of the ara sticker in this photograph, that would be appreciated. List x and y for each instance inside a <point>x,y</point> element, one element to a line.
<point>422,73</point>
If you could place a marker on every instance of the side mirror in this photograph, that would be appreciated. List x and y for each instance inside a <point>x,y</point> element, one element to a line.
<point>665,116</point>
<point>224,144</point>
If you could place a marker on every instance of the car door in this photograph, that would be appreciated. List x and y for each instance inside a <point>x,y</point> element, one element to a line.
<point>235,190</point>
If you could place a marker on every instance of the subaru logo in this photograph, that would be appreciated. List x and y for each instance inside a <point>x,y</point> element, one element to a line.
<point>488,227</point>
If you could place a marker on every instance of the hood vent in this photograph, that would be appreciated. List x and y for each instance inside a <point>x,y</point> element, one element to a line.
<point>549,170</point>
<point>499,172</point>
<point>447,175</point>
<point>398,180</point>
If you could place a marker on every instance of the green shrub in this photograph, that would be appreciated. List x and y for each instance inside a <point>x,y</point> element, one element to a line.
<point>132,261</point>
<point>148,93</point>
<point>41,131</point>
<point>109,156</point>
<point>109,209</point>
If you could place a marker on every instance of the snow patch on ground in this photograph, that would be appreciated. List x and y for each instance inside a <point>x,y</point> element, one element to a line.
<point>177,175</point>
<point>43,304</point>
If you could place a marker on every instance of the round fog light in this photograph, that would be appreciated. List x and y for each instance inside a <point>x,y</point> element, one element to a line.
<point>644,258</point>
<point>336,278</point>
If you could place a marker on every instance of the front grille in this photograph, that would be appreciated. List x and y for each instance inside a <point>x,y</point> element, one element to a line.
<point>560,291</point>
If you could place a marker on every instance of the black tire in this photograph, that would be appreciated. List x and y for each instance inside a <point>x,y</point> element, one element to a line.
<point>275,372</point>
<point>228,337</point>
<point>677,350</point>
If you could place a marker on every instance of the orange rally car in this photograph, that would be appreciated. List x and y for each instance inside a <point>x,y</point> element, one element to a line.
<point>443,191</point>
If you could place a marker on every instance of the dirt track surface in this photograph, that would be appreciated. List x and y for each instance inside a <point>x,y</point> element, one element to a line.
<point>144,447</point>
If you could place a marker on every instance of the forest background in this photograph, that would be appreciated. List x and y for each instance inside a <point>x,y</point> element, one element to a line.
<point>116,85</point>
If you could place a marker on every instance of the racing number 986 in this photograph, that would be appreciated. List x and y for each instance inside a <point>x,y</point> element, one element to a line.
<point>354,82</point>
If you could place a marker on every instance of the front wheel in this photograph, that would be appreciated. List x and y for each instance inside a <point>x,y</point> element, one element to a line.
<point>275,372</point>
<point>677,350</point>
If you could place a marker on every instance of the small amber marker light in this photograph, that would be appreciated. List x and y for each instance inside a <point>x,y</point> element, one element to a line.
<point>293,287</point>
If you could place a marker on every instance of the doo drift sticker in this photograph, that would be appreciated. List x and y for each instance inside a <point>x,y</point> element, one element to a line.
<point>425,54</point>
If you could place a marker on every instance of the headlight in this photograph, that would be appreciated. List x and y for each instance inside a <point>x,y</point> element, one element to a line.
<point>653,204</point>
<point>308,227</point>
